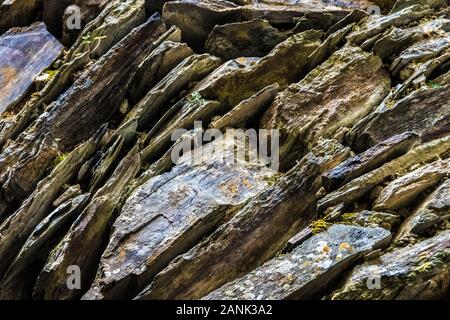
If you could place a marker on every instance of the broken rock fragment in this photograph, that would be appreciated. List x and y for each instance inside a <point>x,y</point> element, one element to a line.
<point>419,272</point>
<point>432,211</point>
<point>404,190</point>
<point>368,160</point>
<point>309,269</point>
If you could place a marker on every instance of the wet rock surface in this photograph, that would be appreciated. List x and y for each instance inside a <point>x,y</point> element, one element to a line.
<point>204,149</point>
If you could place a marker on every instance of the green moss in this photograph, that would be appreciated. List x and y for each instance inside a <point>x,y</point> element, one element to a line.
<point>52,73</point>
<point>348,217</point>
<point>319,226</point>
<point>434,85</point>
<point>59,158</point>
<point>271,180</point>
<point>196,98</point>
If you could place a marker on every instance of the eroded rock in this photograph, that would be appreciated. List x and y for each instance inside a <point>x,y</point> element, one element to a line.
<point>82,245</point>
<point>309,269</point>
<point>311,109</point>
<point>420,271</point>
<point>404,190</point>
<point>167,215</point>
<point>256,233</point>
<point>368,160</point>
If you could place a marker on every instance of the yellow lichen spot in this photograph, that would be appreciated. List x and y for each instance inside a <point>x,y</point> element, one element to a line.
<point>289,279</point>
<point>424,267</point>
<point>51,73</point>
<point>229,188</point>
<point>345,246</point>
<point>247,183</point>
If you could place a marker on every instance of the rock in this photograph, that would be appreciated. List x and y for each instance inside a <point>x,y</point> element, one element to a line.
<point>401,4</point>
<point>15,230</point>
<point>404,190</point>
<point>359,186</point>
<point>71,192</point>
<point>197,18</point>
<point>26,53</point>
<point>82,245</point>
<point>77,114</point>
<point>283,65</point>
<point>192,68</point>
<point>368,160</point>
<point>105,164</point>
<point>182,115</point>
<point>167,215</point>
<point>368,218</point>
<point>202,269</point>
<point>247,109</point>
<point>375,25</point>
<point>419,52</point>
<point>53,14</point>
<point>254,38</point>
<point>156,66</point>
<point>311,109</point>
<point>415,272</point>
<point>17,13</point>
<point>111,25</point>
<point>398,39</point>
<point>309,269</point>
<point>20,278</point>
<point>384,122</point>
<point>432,211</point>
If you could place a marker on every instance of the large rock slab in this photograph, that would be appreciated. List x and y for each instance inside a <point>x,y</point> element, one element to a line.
<point>406,115</point>
<point>404,190</point>
<point>255,234</point>
<point>26,53</point>
<point>167,215</point>
<point>419,272</point>
<point>309,269</point>
<point>283,65</point>
<point>368,160</point>
<point>339,92</point>
<point>243,39</point>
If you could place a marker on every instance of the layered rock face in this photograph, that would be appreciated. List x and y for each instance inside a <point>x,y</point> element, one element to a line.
<point>244,149</point>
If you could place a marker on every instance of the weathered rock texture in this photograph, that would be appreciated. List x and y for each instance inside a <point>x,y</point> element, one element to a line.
<point>216,149</point>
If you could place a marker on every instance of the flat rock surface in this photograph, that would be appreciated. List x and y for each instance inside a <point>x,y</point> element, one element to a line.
<point>420,271</point>
<point>302,273</point>
<point>166,215</point>
<point>25,52</point>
